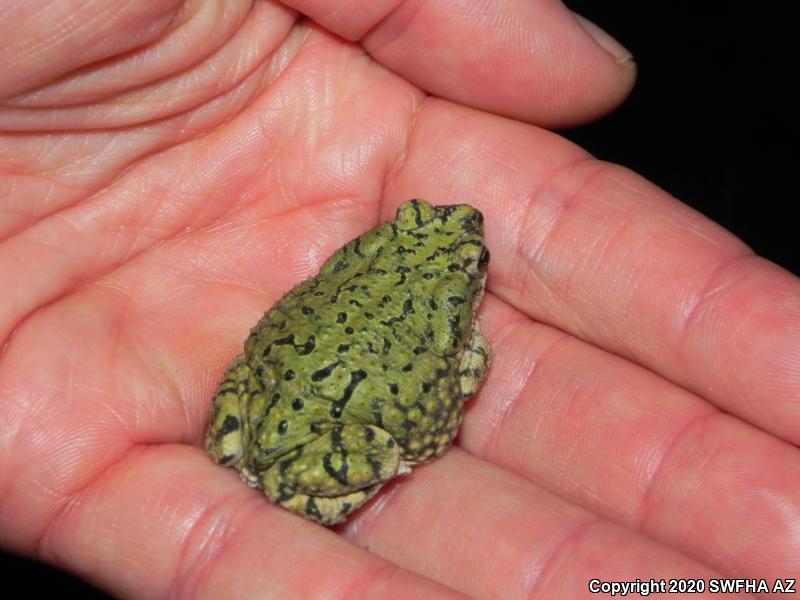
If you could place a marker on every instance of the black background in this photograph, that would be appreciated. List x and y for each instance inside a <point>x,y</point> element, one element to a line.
<point>711,120</point>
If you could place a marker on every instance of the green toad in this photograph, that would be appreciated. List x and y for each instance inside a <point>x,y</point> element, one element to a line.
<point>360,372</point>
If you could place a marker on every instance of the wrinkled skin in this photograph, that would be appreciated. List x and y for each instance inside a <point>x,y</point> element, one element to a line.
<point>172,169</point>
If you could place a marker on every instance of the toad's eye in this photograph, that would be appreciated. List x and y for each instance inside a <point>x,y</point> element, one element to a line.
<point>484,259</point>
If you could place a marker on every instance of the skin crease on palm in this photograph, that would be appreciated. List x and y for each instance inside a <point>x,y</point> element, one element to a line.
<point>168,169</point>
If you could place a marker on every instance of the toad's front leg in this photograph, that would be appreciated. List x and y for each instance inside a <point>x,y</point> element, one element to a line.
<point>227,429</point>
<point>325,480</point>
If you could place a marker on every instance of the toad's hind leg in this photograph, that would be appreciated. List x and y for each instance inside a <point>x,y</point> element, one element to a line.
<point>475,362</point>
<point>328,511</point>
<point>332,476</point>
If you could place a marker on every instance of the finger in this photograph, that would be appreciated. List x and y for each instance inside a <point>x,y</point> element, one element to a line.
<point>216,50</point>
<point>597,251</point>
<point>165,521</point>
<point>195,29</point>
<point>624,443</point>
<point>43,40</point>
<point>47,171</point>
<point>530,60</point>
<point>490,534</point>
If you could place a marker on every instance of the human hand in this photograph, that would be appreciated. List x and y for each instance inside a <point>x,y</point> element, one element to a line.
<point>162,221</point>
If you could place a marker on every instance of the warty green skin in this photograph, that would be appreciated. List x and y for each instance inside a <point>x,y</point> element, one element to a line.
<point>360,372</point>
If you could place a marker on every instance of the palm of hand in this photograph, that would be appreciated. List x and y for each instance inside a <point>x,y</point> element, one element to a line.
<point>161,224</point>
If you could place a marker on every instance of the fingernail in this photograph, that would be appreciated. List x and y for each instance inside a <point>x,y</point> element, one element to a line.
<point>606,42</point>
